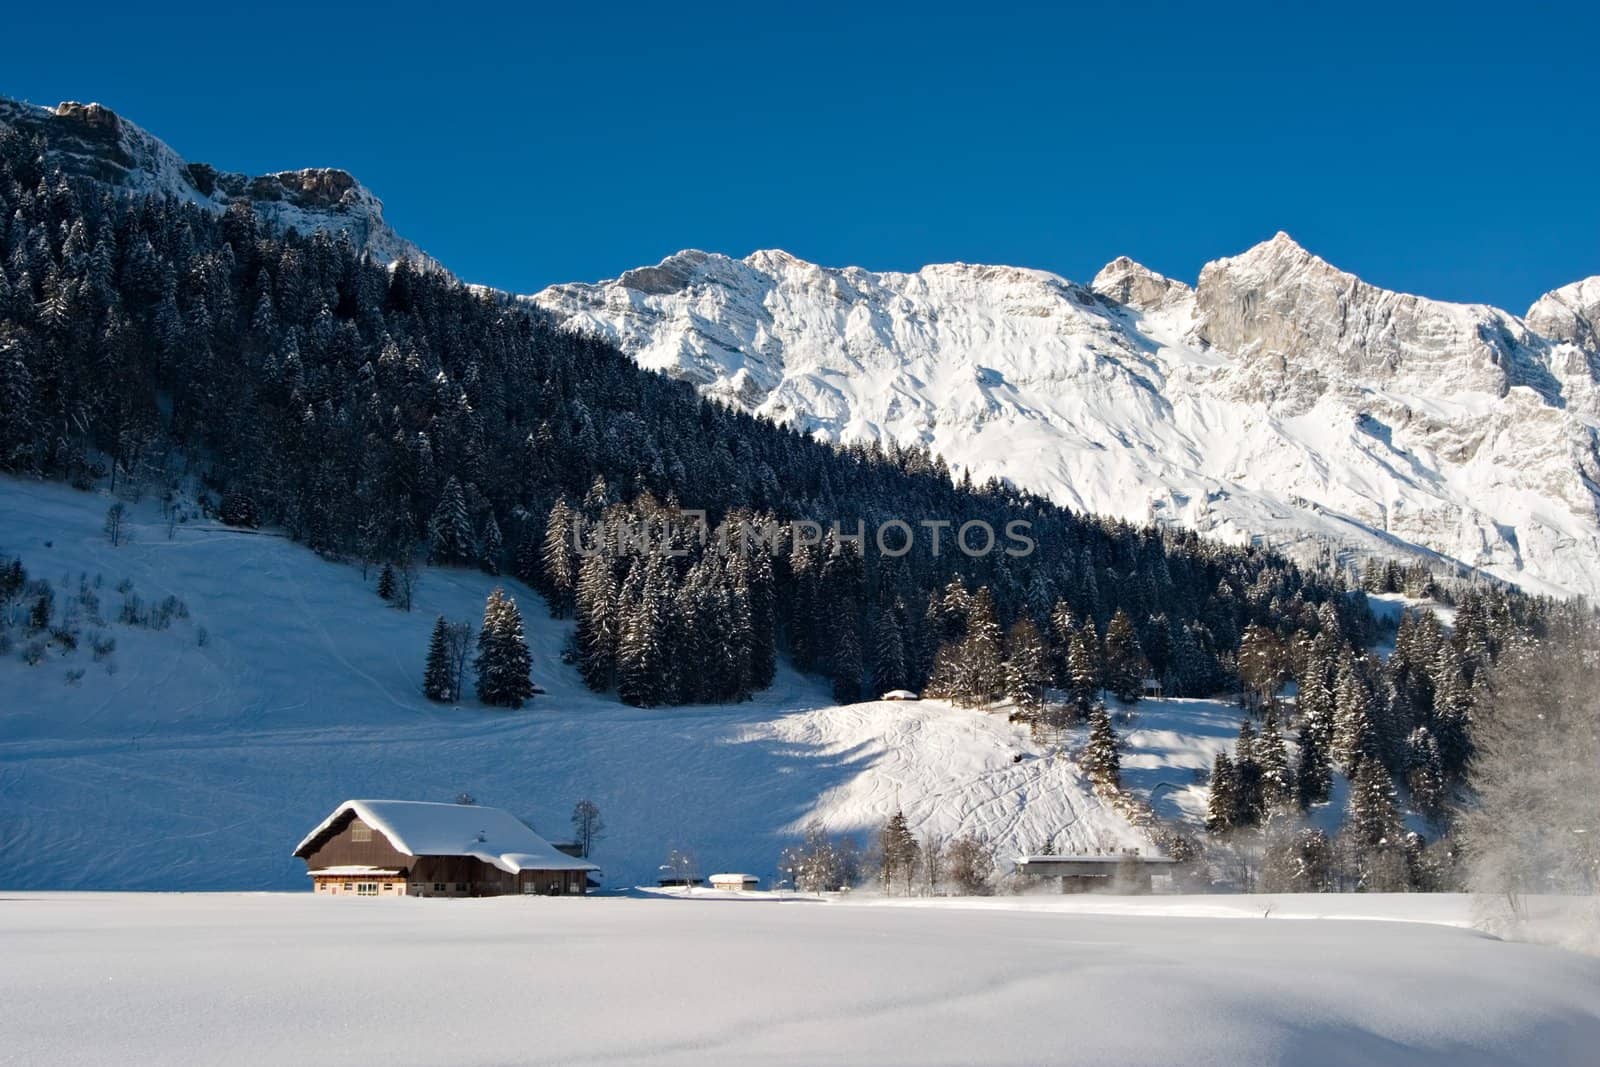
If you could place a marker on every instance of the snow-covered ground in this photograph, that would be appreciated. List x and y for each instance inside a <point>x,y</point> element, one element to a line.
<point>174,764</point>
<point>257,978</point>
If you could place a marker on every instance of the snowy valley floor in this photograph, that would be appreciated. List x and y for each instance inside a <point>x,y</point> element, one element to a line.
<point>256,978</point>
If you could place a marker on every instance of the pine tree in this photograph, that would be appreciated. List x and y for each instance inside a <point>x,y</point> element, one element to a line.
<point>1248,790</point>
<point>1027,665</point>
<point>438,677</point>
<point>599,623</point>
<point>888,654</point>
<point>1355,733</point>
<point>898,850</point>
<point>981,651</point>
<point>1125,664</point>
<point>450,529</point>
<point>503,662</point>
<point>1102,756</point>
<point>1314,771</point>
<point>559,561</point>
<point>1083,667</point>
<point>1277,779</point>
<point>847,665</point>
<point>643,672</point>
<point>1425,773</point>
<point>493,546</point>
<point>1373,819</point>
<point>1221,799</point>
<point>1263,664</point>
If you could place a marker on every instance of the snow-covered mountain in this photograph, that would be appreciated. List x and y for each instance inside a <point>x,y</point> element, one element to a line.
<point>1279,398</point>
<point>91,141</point>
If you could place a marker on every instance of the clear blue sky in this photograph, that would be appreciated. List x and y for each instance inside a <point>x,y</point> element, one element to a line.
<point>1452,151</point>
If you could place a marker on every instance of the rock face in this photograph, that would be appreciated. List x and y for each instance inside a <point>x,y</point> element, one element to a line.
<point>1279,399</point>
<point>91,141</point>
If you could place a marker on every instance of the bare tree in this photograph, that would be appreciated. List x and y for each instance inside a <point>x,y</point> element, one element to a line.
<point>114,517</point>
<point>681,868</point>
<point>971,862</point>
<point>932,862</point>
<point>1535,774</point>
<point>587,826</point>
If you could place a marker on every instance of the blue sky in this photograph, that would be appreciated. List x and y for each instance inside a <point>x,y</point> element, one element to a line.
<point>1450,150</point>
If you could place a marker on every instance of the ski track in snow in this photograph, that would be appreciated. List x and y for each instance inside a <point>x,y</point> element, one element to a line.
<point>177,765</point>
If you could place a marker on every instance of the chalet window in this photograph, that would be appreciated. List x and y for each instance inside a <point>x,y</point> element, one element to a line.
<point>360,833</point>
<point>438,887</point>
<point>366,889</point>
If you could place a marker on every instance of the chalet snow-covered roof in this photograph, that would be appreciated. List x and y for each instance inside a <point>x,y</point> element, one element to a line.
<point>418,828</point>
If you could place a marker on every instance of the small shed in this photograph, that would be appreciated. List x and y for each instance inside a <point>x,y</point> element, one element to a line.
<point>735,883</point>
<point>1151,688</point>
<point>899,694</point>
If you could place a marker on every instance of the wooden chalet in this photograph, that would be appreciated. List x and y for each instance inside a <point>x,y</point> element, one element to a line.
<point>392,848</point>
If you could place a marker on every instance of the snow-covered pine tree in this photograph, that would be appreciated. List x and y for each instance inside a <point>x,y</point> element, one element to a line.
<point>1083,667</point>
<point>1277,778</point>
<point>1063,628</point>
<point>559,566</point>
<point>1027,665</point>
<point>1424,769</point>
<point>888,654</point>
<point>438,676</point>
<point>1102,756</point>
<point>847,666</point>
<point>1124,661</point>
<point>1247,786</point>
<point>503,662</point>
<point>450,530</point>
<point>982,650</point>
<point>1355,733</point>
<point>1452,711</point>
<point>493,546</point>
<point>599,623</point>
<point>1373,818</point>
<point>1313,771</point>
<point>1221,798</point>
<point>642,667</point>
<point>1263,664</point>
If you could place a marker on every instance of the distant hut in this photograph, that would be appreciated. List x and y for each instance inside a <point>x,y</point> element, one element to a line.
<point>735,883</point>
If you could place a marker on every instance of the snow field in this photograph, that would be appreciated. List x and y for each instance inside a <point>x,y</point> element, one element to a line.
<point>156,979</point>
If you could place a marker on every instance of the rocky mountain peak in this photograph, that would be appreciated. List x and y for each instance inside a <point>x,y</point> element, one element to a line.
<point>1571,314</point>
<point>1137,286</point>
<point>92,142</point>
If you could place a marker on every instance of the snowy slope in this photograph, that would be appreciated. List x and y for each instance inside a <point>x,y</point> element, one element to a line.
<point>136,980</point>
<point>91,141</point>
<point>1279,398</point>
<point>176,764</point>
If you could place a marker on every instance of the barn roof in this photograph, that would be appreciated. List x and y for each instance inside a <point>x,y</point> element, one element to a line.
<point>417,828</point>
<point>1091,861</point>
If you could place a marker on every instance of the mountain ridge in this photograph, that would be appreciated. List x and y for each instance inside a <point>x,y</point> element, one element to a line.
<point>1278,398</point>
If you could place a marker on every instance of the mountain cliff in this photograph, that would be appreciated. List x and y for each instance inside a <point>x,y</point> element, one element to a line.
<point>91,141</point>
<point>1279,398</point>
